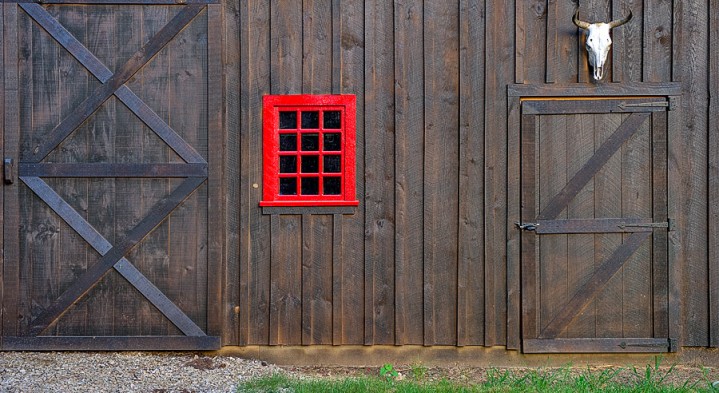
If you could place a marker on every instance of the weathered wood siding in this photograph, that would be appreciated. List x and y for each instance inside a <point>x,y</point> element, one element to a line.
<point>431,255</point>
<point>428,255</point>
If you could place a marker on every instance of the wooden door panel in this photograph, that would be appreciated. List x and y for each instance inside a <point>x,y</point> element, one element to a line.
<point>590,196</point>
<point>112,202</point>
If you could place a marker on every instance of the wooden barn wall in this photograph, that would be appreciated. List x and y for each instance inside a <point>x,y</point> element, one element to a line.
<point>429,257</point>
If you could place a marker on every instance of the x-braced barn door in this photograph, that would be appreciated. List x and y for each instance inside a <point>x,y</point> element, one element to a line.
<point>595,226</point>
<point>109,239</point>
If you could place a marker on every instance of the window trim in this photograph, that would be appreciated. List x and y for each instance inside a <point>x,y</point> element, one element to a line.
<point>271,106</point>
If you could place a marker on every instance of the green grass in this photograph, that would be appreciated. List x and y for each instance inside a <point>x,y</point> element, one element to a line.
<point>649,379</point>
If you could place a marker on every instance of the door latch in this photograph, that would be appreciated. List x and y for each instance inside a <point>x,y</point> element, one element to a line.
<point>8,171</point>
<point>527,226</point>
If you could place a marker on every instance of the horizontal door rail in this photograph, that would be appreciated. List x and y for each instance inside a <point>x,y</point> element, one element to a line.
<point>598,345</point>
<point>598,225</point>
<point>110,343</point>
<point>111,170</point>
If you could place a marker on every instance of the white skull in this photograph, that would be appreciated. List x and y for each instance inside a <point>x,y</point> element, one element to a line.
<point>598,41</point>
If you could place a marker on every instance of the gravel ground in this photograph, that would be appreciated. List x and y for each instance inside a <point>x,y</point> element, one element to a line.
<point>124,372</point>
<point>189,372</point>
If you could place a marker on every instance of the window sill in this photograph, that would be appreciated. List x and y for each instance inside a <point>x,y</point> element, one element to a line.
<point>345,208</point>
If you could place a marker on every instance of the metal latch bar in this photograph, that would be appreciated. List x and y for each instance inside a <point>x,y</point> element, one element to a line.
<point>530,226</point>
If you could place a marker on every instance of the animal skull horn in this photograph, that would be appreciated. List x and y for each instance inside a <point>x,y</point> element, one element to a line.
<point>598,40</point>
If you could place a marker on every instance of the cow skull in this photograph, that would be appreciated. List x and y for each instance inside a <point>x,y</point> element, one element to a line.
<point>599,41</point>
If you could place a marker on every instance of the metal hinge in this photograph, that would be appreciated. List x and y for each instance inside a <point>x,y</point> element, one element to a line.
<point>527,226</point>
<point>658,344</point>
<point>654,104</point>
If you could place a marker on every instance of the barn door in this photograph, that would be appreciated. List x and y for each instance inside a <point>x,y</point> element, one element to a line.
<point>107,235</point>
<point>595,225</point>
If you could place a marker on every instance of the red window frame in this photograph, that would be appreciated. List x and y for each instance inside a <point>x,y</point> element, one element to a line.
<point>329,193</point>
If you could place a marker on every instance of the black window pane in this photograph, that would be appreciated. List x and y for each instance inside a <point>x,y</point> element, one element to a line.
<point>288,142</point>
<point>332,120</point>
<point>288,186</point>
<point>332,142</point>
<point>310,164</point>
<point>311,119</point>
<point>332,186</point>
<point>288,164</point>
<point>310,142</point>
<point>310,186</point>
<point>332,164</point>
<point>288,120</point>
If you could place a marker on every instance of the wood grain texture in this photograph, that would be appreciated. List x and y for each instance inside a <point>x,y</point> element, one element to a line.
<point>580,247</point>
<point>11,145</point>
<point>379,174</point>
<point>470,271</point>
<point>409,140</point>
<point>286,281</point>
<point>713,177</point>
<point>441,176</point>
<point>690,62</point>
<point>255,244</point>
<point>351,80</point>
<point>233,305</point>
<point>498,54</point>
<point>317,273</point>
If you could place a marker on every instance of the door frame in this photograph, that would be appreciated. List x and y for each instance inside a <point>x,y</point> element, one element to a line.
<point>516,94</point>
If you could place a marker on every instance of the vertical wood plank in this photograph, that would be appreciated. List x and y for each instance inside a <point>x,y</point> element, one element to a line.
<point>660,239</point>
<point>713,175</point>
<point>470,272</point>
<point>580,248</point>
<point>562,48</point>
<point>499,52</point>
<point>317,46</point>
<point>379,173</point>
<point>11,194</point>
<point>351,54</point>
<point>255,245</point>
<point>657,64</point>
<point>233,303</point>
<point>553,262</point>
<point>520,42</point>
<point>5,154</point>
<point>515,240</point>
<point>286,281</point>
<point>215,223</point>
<point>286,47</point>
<point>337,275</point>
<point>409,139</point>
<point>676,257</point>
<point>317,273</point>
<point>689,175</point>
<point>529,201</point>
<point>441,184</point>
<point>628,41</point>
<point>607,204</point>
<point>536,44</point>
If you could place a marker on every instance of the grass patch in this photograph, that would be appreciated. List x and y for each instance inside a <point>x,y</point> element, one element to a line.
<point>652,378</point>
